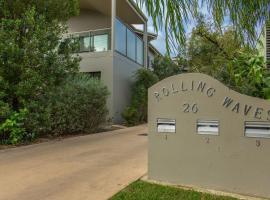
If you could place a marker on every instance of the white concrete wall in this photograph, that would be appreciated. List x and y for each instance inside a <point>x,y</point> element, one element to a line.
<point>123,77</point>
<point>88,20</point>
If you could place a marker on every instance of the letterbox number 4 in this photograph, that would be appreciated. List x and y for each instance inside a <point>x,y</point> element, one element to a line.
<point>187,108</point>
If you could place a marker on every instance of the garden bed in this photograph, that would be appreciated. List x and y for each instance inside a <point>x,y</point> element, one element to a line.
<point>61,137</point>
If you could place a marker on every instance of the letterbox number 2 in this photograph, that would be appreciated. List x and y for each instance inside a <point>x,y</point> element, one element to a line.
<point>187,108</point>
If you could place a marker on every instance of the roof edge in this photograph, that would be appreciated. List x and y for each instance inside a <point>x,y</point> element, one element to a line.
<point>135,6</point>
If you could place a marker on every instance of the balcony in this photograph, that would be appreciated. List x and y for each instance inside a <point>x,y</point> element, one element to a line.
<point>127,42</point>
<point>93,40</point>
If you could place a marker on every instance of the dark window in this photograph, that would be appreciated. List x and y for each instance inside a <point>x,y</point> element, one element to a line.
<point>94,41</point>
<point>96,75</point>
<point>101,42</point>
<point>85,43</point>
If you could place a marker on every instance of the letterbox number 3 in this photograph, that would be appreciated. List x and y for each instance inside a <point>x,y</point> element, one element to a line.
<point>190,108</point>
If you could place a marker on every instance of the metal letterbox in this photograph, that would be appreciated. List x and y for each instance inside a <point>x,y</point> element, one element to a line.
<point>257,129</point>
<point>208,127</point>
<point>166,125</point>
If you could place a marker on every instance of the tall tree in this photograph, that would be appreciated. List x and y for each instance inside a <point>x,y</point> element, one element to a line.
<point>51,9</point>
<point>222,56</point>
<point>174,15</point>
<point>30,61</point>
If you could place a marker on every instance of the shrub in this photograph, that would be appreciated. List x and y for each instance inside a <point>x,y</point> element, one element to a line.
<point>164,67</point>
<point>39,118</point>
<point>78,105</point>
<point>247,74</point>
<point>31,63</point>
<point>136,113</point>
<point>12,130</point>
<point>221,55</point>
<point>131,116</point>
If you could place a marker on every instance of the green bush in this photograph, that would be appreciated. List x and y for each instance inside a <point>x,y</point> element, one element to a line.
<point>164,67</point>
<point>12,130</point>
<point>79,105</point>
<point>131,116</point>
<point>247,74</point>
<point>31,63</point>
<point>136,113</point>
<point>221,55</point>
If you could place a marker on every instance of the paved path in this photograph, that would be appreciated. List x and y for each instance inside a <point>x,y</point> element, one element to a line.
<point>90,167</point>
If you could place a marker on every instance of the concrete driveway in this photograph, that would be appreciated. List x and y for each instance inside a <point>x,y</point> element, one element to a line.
<point>90,167</point>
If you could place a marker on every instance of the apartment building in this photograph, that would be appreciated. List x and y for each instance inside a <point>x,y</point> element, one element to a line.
<point>112,49</point>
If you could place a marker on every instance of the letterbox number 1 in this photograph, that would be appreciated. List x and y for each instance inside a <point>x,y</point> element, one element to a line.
<point>190,108</point>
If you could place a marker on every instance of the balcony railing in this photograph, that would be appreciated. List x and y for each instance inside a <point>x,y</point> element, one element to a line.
<point>93,41</point>
<point>128,43</point>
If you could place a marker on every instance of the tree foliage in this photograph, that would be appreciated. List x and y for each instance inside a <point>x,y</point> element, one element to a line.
<point>77,105</point>
<point>51,10</point>
<point>32,64</point>
<point>174,16</point>
<point>136,113</point>
<point>222,56</point>
<point>164,67</point>
<point>209,49</point>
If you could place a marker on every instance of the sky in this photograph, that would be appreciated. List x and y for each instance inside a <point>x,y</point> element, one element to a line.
<point>159,43</point>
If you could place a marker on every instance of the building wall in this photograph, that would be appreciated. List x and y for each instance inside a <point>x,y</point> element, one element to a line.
<point>123,76</point>
<point>117,71</point>
<point>88,20</point>
<point>100,62</point>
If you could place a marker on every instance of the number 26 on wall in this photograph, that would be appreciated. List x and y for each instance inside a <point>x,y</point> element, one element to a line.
<point>188,108</point>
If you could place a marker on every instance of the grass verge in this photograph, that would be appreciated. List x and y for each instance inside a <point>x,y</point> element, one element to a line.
<point>141,190</point>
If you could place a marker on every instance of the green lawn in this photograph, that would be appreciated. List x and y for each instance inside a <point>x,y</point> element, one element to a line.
<point>141,190</point>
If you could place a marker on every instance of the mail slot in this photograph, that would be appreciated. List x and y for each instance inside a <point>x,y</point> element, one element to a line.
<point>257,129</point>
<point>166,125</point>
<point>208,127</point>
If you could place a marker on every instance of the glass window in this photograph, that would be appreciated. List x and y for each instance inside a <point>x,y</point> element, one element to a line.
<point>120,37</point>
<point>140,51</point>
<point>96,75</point>
<point>131,45</point>
<point>84,43</point>
<point>101,42</point>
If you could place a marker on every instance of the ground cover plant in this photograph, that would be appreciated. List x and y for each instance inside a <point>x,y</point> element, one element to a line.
<point>141,190</point>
